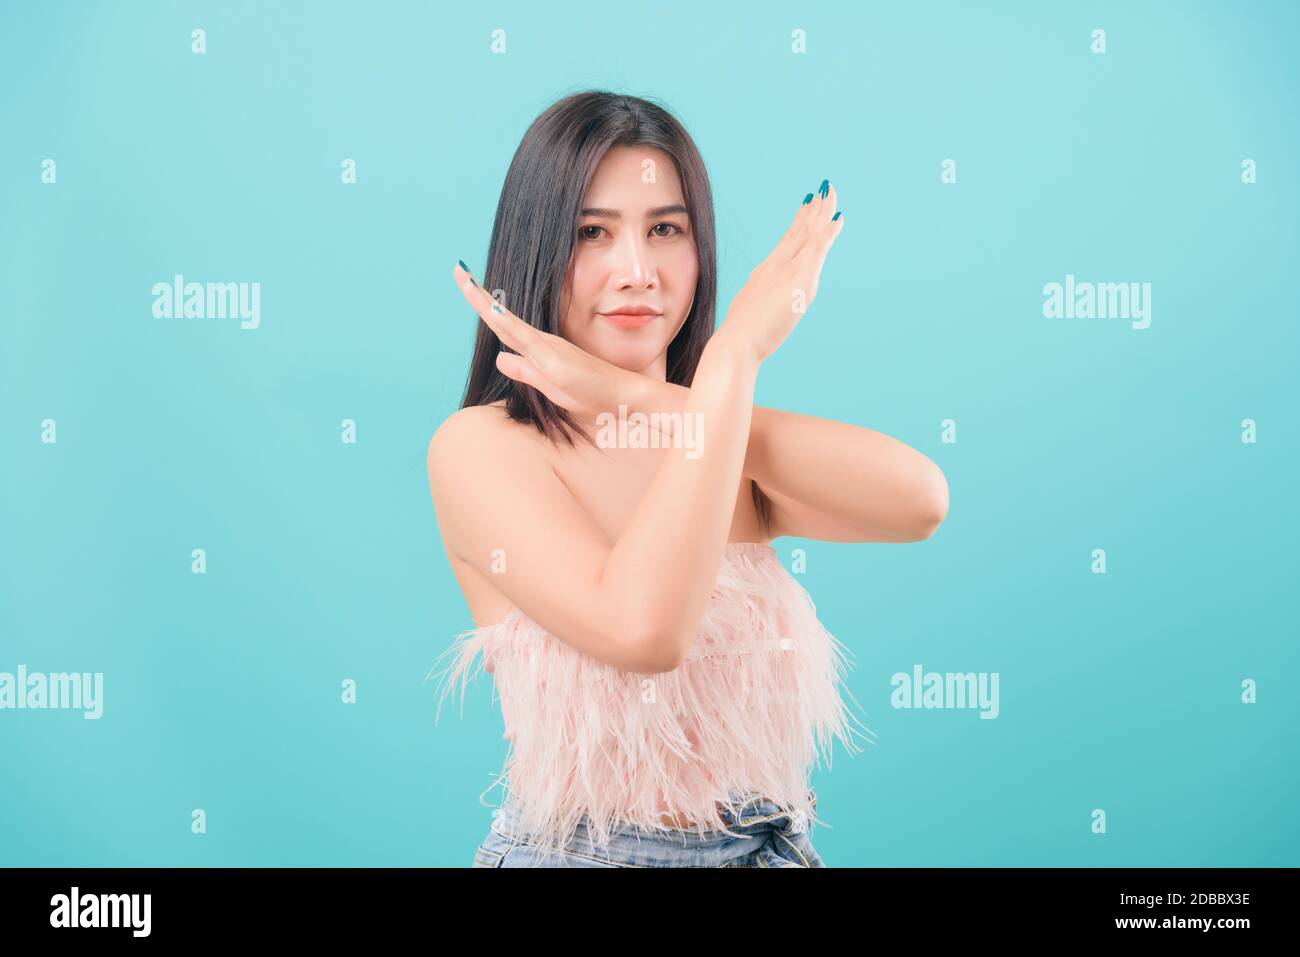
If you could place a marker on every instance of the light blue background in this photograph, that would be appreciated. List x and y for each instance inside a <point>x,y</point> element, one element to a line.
<point>222,691</point>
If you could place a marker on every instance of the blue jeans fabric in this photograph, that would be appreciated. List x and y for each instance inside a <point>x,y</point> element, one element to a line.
<point>770,837</point>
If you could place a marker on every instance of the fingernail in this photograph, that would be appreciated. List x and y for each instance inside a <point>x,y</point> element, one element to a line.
<point>825,187</point>
<point>807,199</point>
<point>466,268</point>
<point>835,217</point>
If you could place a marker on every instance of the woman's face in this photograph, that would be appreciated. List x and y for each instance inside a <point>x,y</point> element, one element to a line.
<point>635,247</point>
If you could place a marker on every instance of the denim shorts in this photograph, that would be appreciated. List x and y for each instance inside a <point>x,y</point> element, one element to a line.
<point>769,836</point>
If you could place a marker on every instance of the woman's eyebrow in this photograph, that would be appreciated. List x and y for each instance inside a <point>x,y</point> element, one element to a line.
<point>615,214</point>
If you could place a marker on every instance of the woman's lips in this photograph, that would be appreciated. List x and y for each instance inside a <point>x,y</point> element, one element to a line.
<point>627,320</point>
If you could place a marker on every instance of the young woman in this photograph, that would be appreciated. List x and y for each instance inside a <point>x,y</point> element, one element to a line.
<point>665,683</point>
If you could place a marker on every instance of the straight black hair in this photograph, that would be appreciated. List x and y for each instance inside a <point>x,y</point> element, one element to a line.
<point>536,227</point>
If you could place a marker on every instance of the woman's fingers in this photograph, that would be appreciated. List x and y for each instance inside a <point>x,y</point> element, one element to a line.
<point>823,233</point>
<point>820,239</point>
<point>544,361</point>
<point>820,213</point>
<point>814,240</point>
<point>793,238</point>
<point>829,204</point>
<point>536,346</point>
<point>521,369</point>
<point>510,329</point>
<point>807,220</point>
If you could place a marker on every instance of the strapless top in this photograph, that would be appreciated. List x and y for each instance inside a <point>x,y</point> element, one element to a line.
<point>754,706</point>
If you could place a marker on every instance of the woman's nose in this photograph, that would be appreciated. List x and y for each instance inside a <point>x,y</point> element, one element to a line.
<point>635,261</point>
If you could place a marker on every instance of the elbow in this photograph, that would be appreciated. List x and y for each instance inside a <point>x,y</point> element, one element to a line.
<point>935,508</point>
<point>652,631</point>
<point>642,635</point>
<point>657,652</point>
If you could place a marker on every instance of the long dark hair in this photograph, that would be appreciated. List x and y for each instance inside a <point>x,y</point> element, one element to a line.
<point>536,229</point>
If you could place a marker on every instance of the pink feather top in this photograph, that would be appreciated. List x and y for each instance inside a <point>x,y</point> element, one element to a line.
<point>755,704</point>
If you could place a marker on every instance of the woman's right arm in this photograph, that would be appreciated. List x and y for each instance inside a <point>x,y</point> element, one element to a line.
<point>636,603</point>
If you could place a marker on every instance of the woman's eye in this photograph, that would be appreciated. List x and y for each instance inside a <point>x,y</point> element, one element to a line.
<point>583,234</point>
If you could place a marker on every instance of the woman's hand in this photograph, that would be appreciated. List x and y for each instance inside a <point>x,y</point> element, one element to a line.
<point>569,376</point>
<point>782,287</point>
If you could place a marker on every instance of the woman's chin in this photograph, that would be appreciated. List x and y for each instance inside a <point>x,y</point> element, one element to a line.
<point>631,359</point>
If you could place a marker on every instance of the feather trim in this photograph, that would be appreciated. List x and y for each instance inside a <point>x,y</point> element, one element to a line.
<point>752,709</point>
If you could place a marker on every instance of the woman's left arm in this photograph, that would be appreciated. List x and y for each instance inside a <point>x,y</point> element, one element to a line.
<point>831,481</point>
<point>826,480</point>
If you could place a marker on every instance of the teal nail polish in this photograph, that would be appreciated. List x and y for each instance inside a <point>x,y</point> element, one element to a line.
<point>825,187</point>
<point>466,268</point>
<point>807,199</point>
<point>835,217</point>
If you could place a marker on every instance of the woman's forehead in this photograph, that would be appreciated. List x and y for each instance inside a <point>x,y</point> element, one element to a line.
<point>636,179</point>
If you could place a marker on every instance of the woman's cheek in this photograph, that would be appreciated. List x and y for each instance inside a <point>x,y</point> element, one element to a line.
<point>582,301</point>
<point>686,261</point>
<point>686,267</point>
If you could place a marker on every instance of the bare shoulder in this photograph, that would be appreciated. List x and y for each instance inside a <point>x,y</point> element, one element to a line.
<point>470,434</point>
<point>473,424</point>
